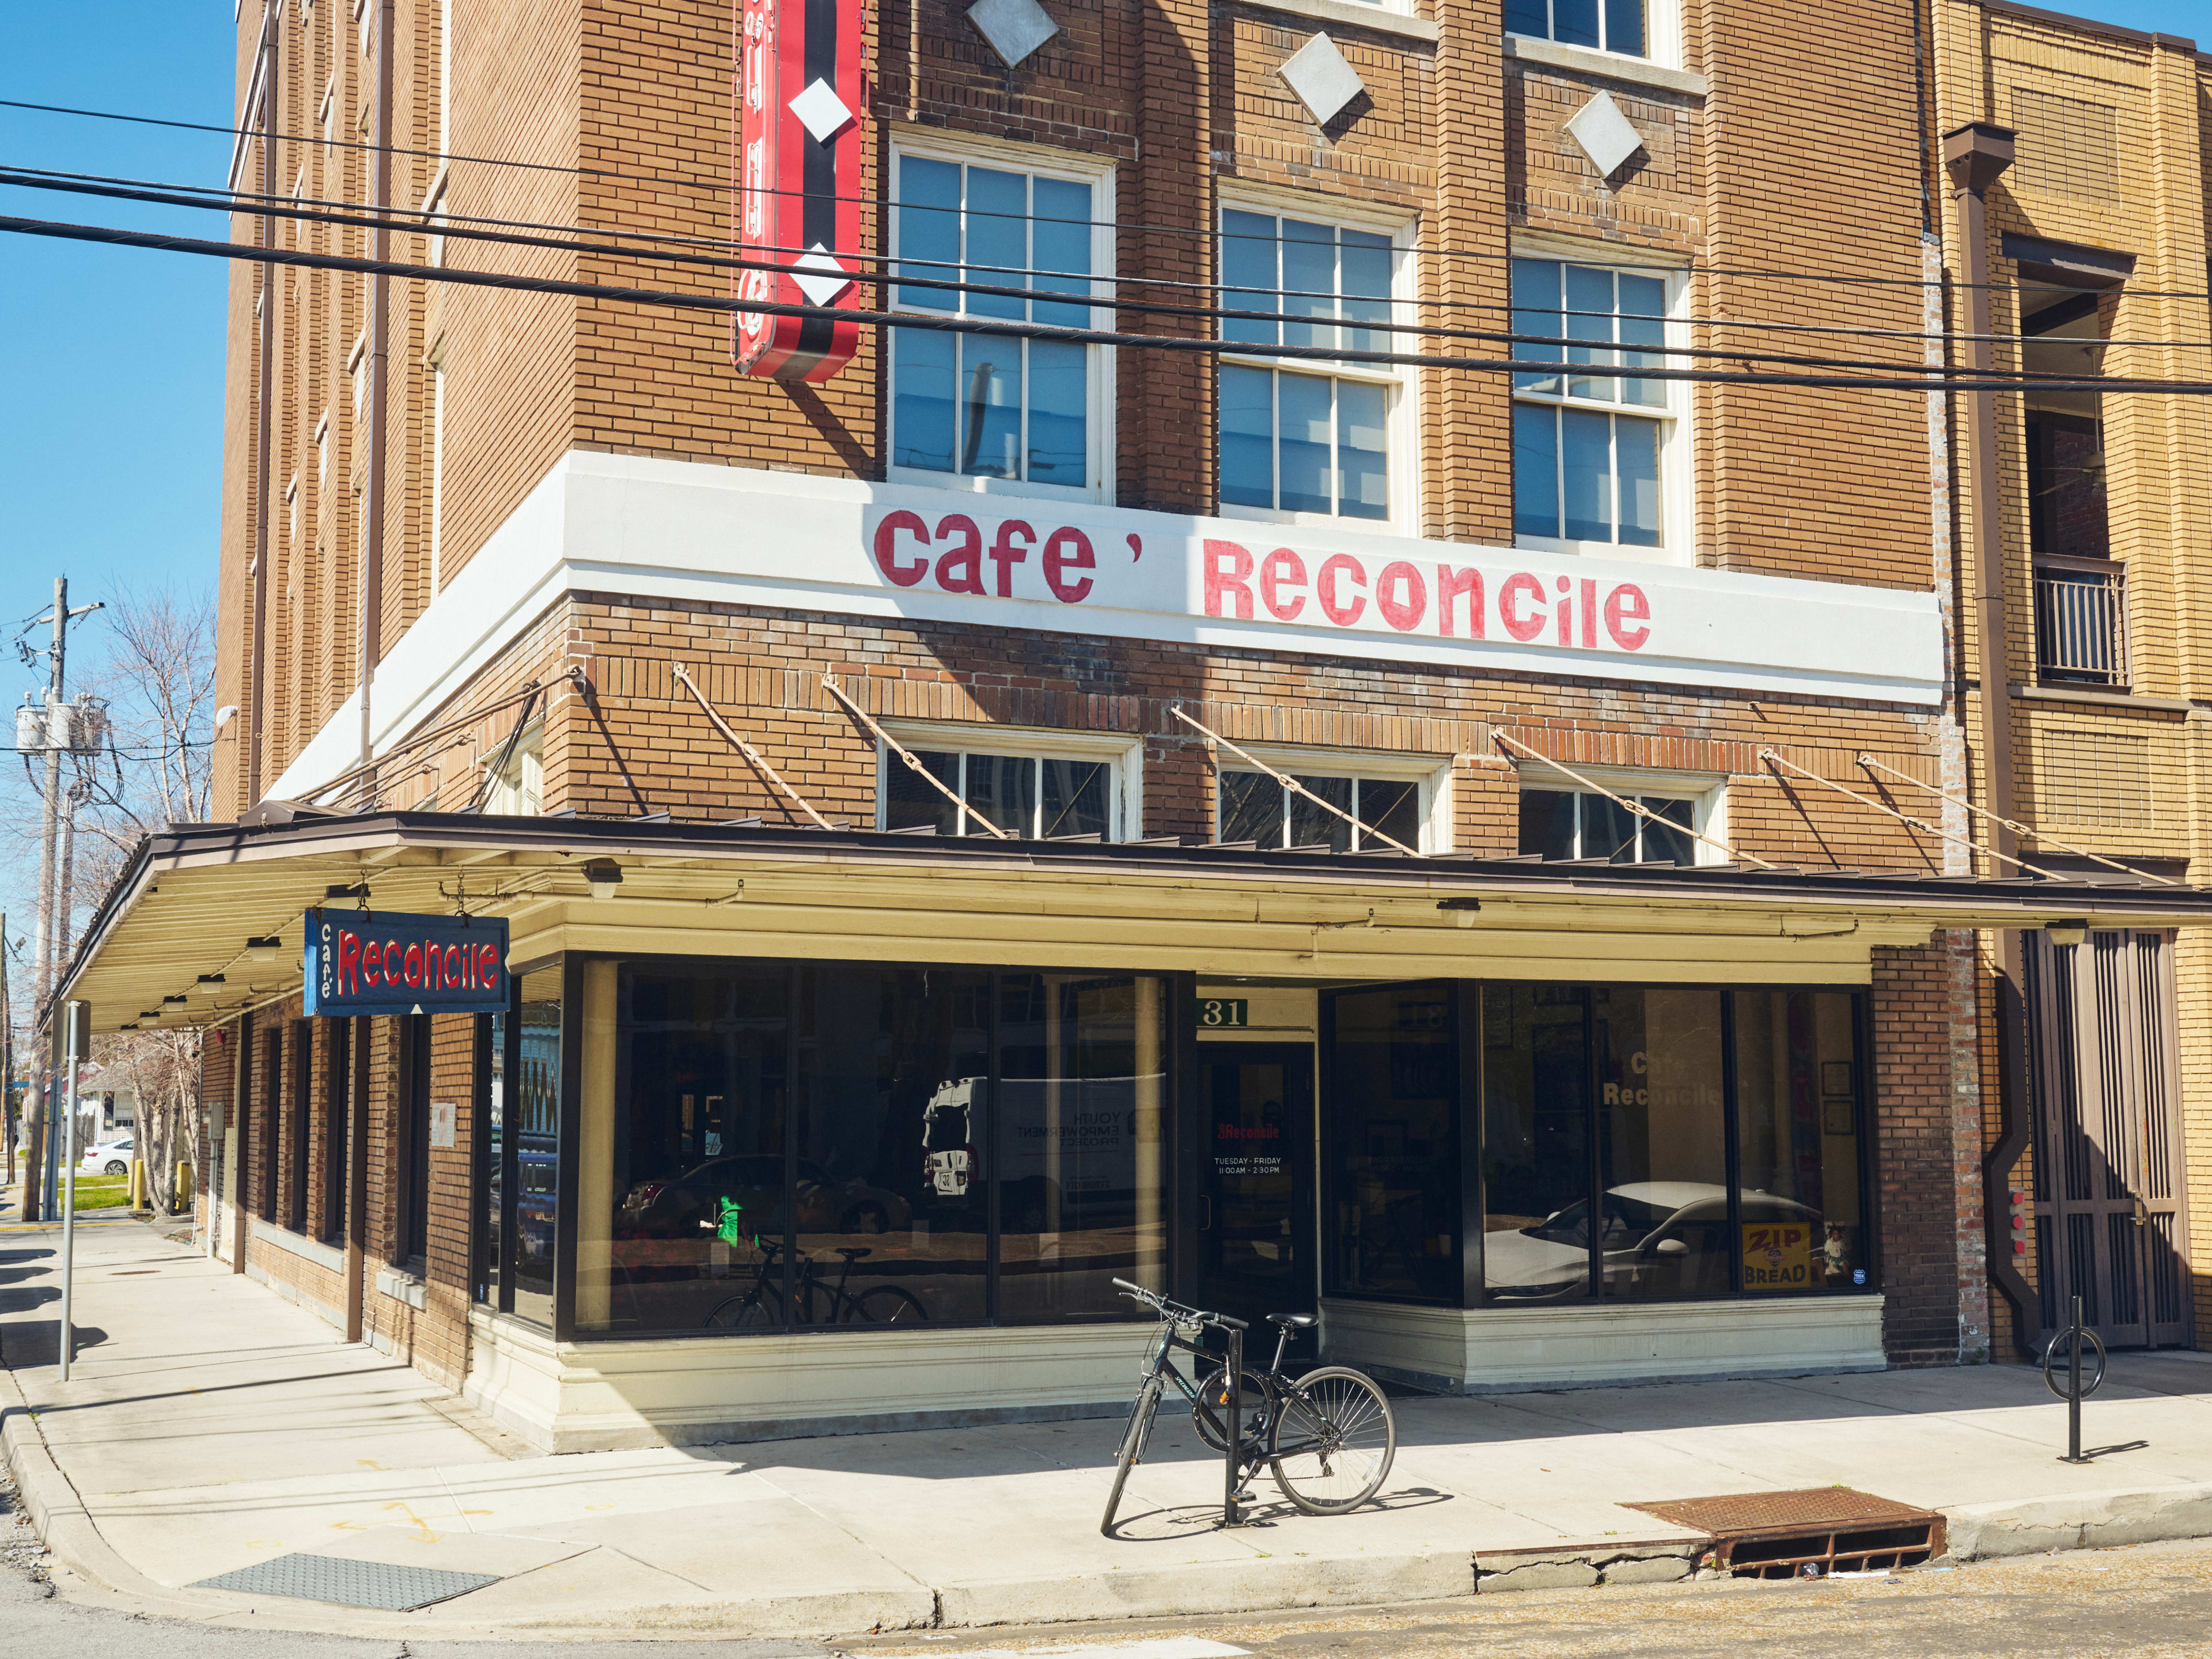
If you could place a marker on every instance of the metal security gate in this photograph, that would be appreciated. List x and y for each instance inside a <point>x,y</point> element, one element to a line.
<point>2107,1097</point>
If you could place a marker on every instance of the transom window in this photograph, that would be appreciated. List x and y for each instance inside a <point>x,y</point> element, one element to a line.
<point>1254,808</point>
<point>1036,797</point>
<point>1587,444</point>
<point>985,406</point>
<point>1605,25</point>
<point>1294,441</point>
<point>1580,824</point>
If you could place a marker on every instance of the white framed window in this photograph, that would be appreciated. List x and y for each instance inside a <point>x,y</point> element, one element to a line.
<point>1033,784</point>
<point>518,789</point>
<point>1562,819</point>
<point>1302,440</point>
<point>292,509</point>
<point>1406,796</point>
<point>1628,28</point>
<point>987,412</point>
<point>1596,455</point>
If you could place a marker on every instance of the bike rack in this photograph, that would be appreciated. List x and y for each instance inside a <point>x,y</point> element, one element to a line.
<point>2074,1394</point>
<point>1233,1454</point>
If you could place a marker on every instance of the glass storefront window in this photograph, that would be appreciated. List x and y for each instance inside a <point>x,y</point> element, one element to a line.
<point>1392,1101</point>
<point>1662,1232</point>
<point>1536,1139</point>
<point>538,1146</point>
<point>774,1146</point>
<point>488,1171</point>
<point>1796,1093</point>
<point>1080,1082</point>
<point>890,1200</point>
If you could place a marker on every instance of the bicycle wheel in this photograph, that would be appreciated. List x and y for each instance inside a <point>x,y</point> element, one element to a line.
<point>1209,1415</point>
<point>749,1312</point>
<point>886,1305</point>
<point>1333,1441</point>
<point>1132,1446</point>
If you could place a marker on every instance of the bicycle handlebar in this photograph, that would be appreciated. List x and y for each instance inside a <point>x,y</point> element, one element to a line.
<point>1169,1310</point>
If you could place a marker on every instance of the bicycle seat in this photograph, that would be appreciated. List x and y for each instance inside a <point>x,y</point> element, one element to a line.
<point>852,1253</point>
<point>1296,1321</point>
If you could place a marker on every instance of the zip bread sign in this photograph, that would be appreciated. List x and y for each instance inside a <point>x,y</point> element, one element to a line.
<point>389,963</point>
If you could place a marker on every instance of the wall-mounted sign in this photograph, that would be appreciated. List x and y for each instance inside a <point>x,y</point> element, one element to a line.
<point>1223,1013</point>
<point>800,103</point>
<point>1778,1255</point>
<point>445,1122</point>
<point>386,963</point>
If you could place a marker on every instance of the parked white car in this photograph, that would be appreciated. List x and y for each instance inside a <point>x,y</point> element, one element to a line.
<point>109,1156</point>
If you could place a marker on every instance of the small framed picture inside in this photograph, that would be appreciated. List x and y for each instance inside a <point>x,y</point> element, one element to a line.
<point>1836,1116</point>
<point>1836,1076</point>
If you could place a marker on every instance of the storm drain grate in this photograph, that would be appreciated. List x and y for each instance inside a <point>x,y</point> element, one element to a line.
<point>1810,1533</point>
<point>350,1584</point>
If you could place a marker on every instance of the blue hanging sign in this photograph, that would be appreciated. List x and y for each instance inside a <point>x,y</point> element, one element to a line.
<point>388,964</point>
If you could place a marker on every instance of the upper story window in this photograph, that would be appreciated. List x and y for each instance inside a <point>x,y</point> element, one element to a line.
<point>1590,448</point>
<point>1405,803</point>
<point>986,410</point>
<point>1032,785</point>
<point>1620,26</point>
<point>1309,438</point>
<point>1570,823</point>
<point>518,789</point>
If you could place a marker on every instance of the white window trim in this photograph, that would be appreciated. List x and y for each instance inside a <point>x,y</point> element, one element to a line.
<point>1433,772</point>
<point>1706,791</point>
<point>507,794</point>
<point>1403,423</point>
<point>1033,159</point>
<point>1124,757</point>
<point>1677,521</point>
<point>1662,34</point>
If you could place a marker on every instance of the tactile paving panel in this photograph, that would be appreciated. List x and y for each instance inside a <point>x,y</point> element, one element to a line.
<point>350,1584</point>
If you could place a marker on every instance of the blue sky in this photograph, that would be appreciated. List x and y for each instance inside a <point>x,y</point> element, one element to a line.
<point>111,435</point>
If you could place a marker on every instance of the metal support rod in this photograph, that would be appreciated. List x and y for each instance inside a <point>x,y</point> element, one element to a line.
<point>1295,787</point>
<point>908,757</point>
<point>1635,807</point>
<point>1775,757</point>
<point>2074,1388</point>
<point>746,749</point>
<point>75,1025</point>
<point>2028,830</point>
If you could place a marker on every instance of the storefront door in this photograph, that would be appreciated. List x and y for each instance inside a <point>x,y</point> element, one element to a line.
<point>2108,1193</point>
<point>1255,1195</point>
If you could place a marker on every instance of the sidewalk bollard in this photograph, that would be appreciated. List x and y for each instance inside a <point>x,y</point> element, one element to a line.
<point>137,1185</point>
<point>2073,1393</point>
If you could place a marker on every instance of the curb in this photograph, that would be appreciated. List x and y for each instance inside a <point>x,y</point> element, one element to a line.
<point>2080,1520</point>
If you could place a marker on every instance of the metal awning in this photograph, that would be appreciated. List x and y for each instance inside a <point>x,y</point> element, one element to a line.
<point>194,894</point>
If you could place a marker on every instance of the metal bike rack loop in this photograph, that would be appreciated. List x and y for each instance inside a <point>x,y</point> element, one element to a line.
<point>2073,1393</point>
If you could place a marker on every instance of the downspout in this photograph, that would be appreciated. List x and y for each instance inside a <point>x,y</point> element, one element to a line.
<point>1975,155</point>
<point>379,346</point>
<point>266,233</point>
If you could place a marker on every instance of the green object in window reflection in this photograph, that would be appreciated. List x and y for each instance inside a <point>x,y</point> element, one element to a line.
<point>729,1225</point>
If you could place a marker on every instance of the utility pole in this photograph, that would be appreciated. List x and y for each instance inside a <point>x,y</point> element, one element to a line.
<point>47,962</point>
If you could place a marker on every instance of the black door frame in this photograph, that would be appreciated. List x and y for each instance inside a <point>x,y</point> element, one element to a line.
<point>1305,1212</point>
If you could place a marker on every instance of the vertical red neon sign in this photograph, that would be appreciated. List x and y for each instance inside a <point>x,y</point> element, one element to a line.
<point>800,106</point>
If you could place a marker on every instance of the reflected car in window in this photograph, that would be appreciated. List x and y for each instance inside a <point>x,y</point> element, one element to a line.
<point>1672,1231</point>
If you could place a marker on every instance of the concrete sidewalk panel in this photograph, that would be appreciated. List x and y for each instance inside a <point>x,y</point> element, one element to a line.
<point>1252,1586</point>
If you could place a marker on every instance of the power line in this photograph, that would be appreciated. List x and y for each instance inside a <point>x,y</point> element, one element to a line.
<point>1565,342</point>
<point>720,187</point>
<point>438,223</point>
<point>252,255</point>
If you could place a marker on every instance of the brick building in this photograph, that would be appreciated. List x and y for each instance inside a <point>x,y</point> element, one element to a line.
<point>1307,831</point>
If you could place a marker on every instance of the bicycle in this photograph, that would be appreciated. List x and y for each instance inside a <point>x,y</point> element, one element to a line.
<point>762,1307</point>
<point>1328,1436</point>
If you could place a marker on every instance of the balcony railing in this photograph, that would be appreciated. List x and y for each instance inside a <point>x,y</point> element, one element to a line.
<point>2082,622</point>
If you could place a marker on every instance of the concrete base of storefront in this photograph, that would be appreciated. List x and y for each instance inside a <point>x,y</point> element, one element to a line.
<point>1585,1345</point>
<point>716,1390</point>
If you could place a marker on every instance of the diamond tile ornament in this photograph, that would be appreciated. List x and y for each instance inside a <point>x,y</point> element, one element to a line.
<point>1015,28</point>
<point>1604,133</point>
<point>1323,81</point>
<point>819,277</point>
<point>821,110</point>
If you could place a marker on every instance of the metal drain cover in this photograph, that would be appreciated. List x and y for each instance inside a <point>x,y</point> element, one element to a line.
<point>350,1584</point>
<point>1818,1507</point>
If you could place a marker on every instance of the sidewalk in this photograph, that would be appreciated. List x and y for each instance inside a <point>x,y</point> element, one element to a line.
<point>209,1426</point>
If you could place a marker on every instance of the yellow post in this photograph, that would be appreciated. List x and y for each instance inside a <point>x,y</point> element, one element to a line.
<point>137,1185</point>
<point>183,1189</point>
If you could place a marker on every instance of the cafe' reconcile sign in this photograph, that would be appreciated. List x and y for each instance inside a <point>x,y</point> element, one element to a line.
<point>390,963</point>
